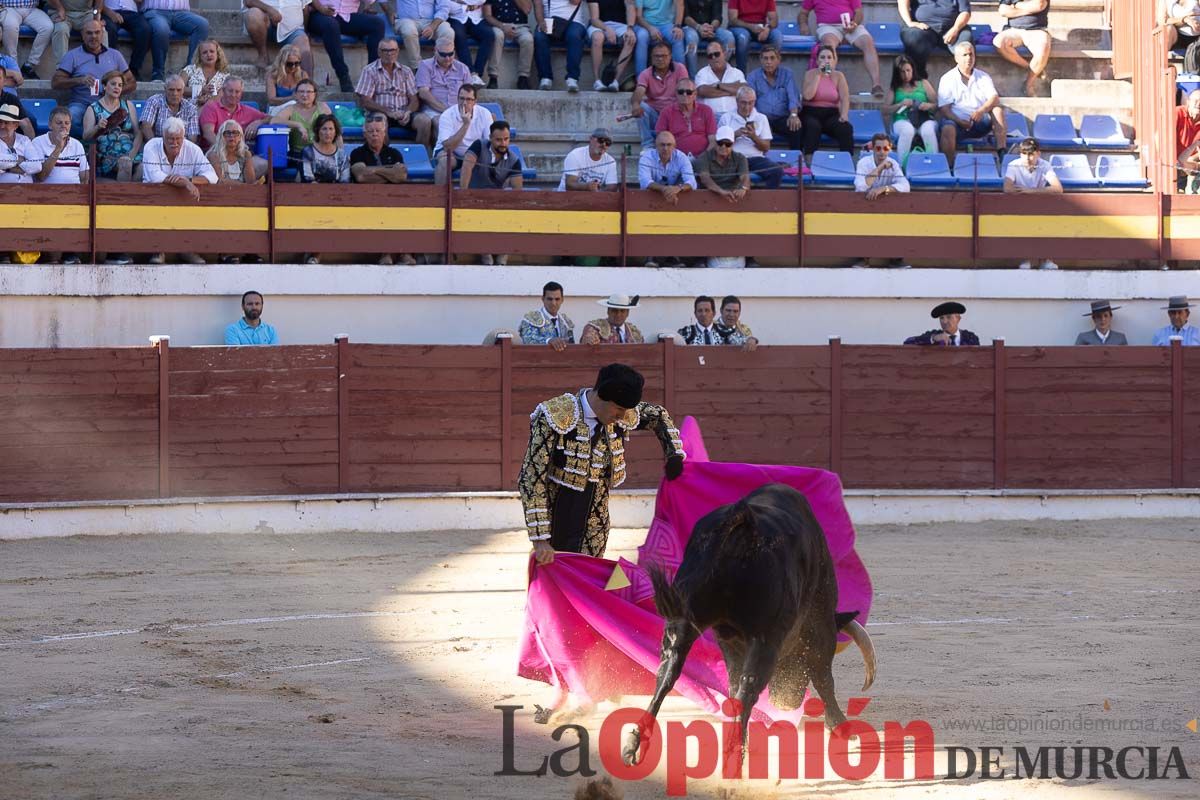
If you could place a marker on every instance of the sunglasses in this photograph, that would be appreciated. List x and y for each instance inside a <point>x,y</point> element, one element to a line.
<point>724,144</point>
<point>882,149</point>
<point>713,54</point>
<point>604,142</point>
<point>444,55</point>
<point>231,134</point>
<point>685,91</point>
<point>290,64</point>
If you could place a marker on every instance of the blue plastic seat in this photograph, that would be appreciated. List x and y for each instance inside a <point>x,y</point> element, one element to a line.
<point>833,168</point>
<point>527,172</point>
<point>793,41</point>
<point>930,170</point>
<point>416,158</point>
<point>785,158</point>
<point>1055,130</point>
<point>977,30</point>
<point>1008,159</point>
<point>498,114</point>
<point>1187,83</point>
<point>39,113</point>
<point>886,36</point>
<point>1018,126</point>
<point>1073,171</point>
<point>867,122</point>
<point>138,105</point>
<point>1103,132</point>
<point>972,168</point>
<point>253,104</point>
<point>1120,172</point>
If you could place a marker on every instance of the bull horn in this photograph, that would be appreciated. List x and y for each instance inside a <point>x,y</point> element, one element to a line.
<point>863,639</point>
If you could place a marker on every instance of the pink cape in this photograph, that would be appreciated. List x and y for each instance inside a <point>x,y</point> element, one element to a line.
<point>597,642</point>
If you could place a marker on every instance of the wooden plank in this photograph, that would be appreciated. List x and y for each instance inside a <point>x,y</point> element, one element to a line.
<point>263,429</point>
<point>51,485</point>
<point>802,451</point>
<point>252,382</point>
<point>266,464</point>
<point>77,360</point>
<point>427,356</point>
<point>483,423</point>
<point>1055,474</point>
<point>897,451</point>
<point>1085,450</point>
<point>931,379</point>
<point>893,357</point>
<point>258,452</point>
<point>445,451</point>
<point>763,358</point>
<point>259,406</point>
<point>770,403</point>
<point>56,408</point>
<point>423,477</point>
<point>432,405</point>
<point>138,384</point>
<point>83,439</point>
<point>284,357</point>
<point>950,399</point>
<point>776,427</point>
<point>715,379</point>
<point>1087,357</point>
<point>917,473</point>
<point>645,358</point>
<point>1068,379</point>
<point>1132,402</point>
<point>250,479</point>
<point>465,379</point>
<point>1097,426</point>
<point>34,460</point>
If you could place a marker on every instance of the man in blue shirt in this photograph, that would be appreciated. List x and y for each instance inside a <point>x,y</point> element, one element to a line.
<point>1177,310</point>
<point>665,170</point>
<point>778,100</point>
<point>250,329</point>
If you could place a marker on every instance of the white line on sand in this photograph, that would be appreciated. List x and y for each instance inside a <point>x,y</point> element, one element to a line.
<point>260,670</point>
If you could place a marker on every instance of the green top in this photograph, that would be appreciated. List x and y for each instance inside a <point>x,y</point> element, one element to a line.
<point>916,94</point>
<point>297,115</point>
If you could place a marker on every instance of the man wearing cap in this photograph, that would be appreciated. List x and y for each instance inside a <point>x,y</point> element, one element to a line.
<point>548,325</point>
<point>576,456</point>
<point>13,147</point>
<point>722,170</point>
<point>590,168</point>
<point>949,334</point>
<point>1101,314</point>
<point>614,329</point>
<point>1177,311</point>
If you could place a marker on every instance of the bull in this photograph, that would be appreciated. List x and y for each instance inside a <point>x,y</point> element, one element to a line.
<point>759,573</point>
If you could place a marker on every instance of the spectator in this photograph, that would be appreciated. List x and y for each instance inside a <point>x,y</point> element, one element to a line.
<point>704,330</point>
<point>1102,332</point>
<point>912,106</point>
<point>459,127</point>
<point>10,72</point>
<point>826,105</point>
<point>388,87</point>
<point>590,168</point>
<point>1189,169</point>
<point>250,329</point>
<point>659,21</point>
<point>754,20</point>
<point>879,175</point>
<point>510,23</point>
<point>718,83</point>
<point>548,324</point>
<point>693,126</point>
<point>57,157</point>
<point>969,104</point>
<point>231,159</point>
<point>421,19</point>
<point>702,25</point>
<point>71,16</point>
<point>466,18</point>
<point>724,171</point>
<point>324,160</point>
<point>81,69</point>
<point>491,164</point>
<point>230,106</point>
<point>777,97</point>
<point>1181,20</point>
<point>112,124</point>
<point>1177,311</point>
<point>207,73</point>
<point>24,123</point>
<point>731,316</point>
<point>752,138</point>
<point>174,161</point>
<point>615,328</point>
<point>301,117</point>
<point>283,77</point>
<point>612,20</point>
<point>1027,25</point>
<point>281,21</point>
<point>665,170</point>
<point>842,21</point>
<point>14,146</point>
<point>655,90</point>
<point>574,34</point>
<point>332,19</point>
<point>948,315</point>
<point>167,16</point>
<point>171,104</point>
<point>127,15</point>
<point>1031,174</point>
<point>439,79</point>
<point>26,12</point>
<point>931,26</point>
<point>377,162</point>
<point>1187,129</point>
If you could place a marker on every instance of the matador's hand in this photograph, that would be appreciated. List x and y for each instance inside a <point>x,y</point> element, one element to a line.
<point>543,552</point>
<point>674,467</point>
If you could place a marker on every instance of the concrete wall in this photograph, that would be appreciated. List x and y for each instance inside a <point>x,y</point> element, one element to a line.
<point>49,306</point>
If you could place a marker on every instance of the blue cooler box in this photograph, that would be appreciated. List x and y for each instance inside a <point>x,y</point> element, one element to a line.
<point>274,137</point>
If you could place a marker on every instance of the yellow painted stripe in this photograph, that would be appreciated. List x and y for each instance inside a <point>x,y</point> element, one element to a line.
<point>1012,226</point>
<point>181,218</point>
<point>923,226</point>
<point>480,220</point>
<point>1181,227</point>
<point>744,223</point>
<point>359,218</point>
<point>52,217</point>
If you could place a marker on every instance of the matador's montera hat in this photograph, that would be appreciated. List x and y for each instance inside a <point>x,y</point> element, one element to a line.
<point>620,384</point>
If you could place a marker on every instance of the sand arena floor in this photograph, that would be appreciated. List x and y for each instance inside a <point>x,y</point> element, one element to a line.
<point>367,666</point>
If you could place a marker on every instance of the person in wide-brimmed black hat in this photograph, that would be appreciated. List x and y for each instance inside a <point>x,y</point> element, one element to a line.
<point>1102,333</point>
<point>948,334</point>
<point>1178,312</point>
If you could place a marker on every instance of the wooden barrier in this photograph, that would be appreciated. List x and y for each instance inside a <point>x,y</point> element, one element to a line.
<point>119,423</point>
<point>959,228</point>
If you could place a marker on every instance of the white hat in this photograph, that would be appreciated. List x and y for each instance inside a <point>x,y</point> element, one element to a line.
<point>725,134</point>
<point>620,301</point>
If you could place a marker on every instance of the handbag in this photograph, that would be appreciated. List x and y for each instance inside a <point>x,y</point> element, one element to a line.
<point>558,30</point>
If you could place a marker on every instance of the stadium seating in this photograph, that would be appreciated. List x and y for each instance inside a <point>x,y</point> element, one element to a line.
<point>348,131</point>
<point>39,113</point>
<point>1055,130</point>
<point>1102,132</point>
<point>793,41</point>
<point>833,168</point>
<point>1018,126</point>
<point>983,33</point>
<point>790,159</point>
<point>867,122</point>
<point>972,168</point>
<point>1120,172</point>
<point>886,36</point>
<point>498,114</point>
<point>416,158</point>
<point>1073,171</point>
<point>930,170</point>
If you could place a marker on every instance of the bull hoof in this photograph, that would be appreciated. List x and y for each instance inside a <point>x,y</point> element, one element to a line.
<point>563,716</point>
<point>541,715</point>
<point>629,753</point>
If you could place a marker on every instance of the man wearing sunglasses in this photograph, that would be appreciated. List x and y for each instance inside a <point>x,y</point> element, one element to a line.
<point>718,83</point>
<point>879,175</point>
<point>420,19</point>
<point>439,79</point>
<point>722,170</point>
<point>389,88</point>
<point>590,168</point>
<point>693,126</point>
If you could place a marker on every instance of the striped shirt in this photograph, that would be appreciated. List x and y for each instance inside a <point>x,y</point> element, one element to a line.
<point>156,112</point>
<point>166,5</point>
<point>393,91</point>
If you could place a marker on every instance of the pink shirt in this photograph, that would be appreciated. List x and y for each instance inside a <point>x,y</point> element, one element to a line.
<point>826,95</point>
<point>215,114</point>
<point>829,12</point>
<point>344,8</point>
<point>660,92</point>
<point>691,130</point>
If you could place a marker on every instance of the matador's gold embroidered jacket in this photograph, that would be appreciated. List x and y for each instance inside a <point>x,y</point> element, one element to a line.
<point>561,456</point>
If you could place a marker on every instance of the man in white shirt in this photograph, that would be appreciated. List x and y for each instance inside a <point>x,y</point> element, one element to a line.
<point>280,21</point>
<point>969,104</point>
<point>718,83</point>
<point>56,157</point>
<point>879,175</point>
<point>752,133</point>
<point>590,168</point>
<point>14,147</point>
<point>1032,174</point>
<point>175,161</point>
<point>459,127</point>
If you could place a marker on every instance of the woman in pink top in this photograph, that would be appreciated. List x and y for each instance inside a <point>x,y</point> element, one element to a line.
<point>826,105</point>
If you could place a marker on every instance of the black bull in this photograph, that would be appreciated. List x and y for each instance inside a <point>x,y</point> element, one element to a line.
<point>758,572</point>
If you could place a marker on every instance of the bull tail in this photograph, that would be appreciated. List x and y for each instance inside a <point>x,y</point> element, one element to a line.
<point>667,599</point>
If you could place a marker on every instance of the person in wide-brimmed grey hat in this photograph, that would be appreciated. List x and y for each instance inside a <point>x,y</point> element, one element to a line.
<point>1177,310</point>
<point>613,329</point>
<point>1102,333</point>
